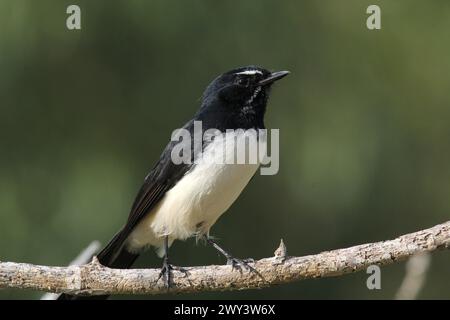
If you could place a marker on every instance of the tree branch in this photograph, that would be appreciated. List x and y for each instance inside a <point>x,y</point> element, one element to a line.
<point>93,278</point>
<point>84,257</point>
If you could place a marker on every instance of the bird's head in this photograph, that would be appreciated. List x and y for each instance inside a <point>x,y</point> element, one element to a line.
<point>242,92</point>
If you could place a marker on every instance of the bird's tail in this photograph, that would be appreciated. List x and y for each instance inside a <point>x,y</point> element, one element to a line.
<point>114,255</point>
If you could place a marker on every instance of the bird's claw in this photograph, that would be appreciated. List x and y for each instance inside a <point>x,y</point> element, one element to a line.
<point>239,263</point>
<point>166,273</point>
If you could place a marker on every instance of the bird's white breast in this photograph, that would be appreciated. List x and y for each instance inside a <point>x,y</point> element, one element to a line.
<point>194,204</point>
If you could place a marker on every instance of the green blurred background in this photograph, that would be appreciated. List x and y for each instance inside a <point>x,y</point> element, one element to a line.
<point>363,119</point>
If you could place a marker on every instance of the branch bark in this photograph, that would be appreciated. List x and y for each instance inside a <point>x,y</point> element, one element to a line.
<point>84,257</point>
<point>93,278</point>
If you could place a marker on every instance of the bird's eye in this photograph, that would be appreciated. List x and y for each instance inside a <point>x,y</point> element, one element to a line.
<point>242,81</point>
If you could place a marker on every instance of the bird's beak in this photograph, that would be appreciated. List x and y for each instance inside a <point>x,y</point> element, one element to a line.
<point>274,76</point>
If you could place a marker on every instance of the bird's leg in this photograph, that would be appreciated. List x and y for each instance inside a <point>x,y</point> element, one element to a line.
<point>234,262</point>
<point>167,267</point>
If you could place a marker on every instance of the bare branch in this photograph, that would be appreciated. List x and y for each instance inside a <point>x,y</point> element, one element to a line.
<point>93,278</point>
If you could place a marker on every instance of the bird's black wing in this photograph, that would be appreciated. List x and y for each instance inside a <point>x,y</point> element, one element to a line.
<point>161,178</point>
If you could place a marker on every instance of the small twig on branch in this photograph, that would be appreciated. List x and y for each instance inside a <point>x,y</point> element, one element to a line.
<point>87,254</point>
<point>93,278</point>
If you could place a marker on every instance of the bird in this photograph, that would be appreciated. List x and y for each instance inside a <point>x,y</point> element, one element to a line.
<point>177,200</point>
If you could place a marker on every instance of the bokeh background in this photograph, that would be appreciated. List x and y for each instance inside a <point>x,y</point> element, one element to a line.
<point>364,123</point>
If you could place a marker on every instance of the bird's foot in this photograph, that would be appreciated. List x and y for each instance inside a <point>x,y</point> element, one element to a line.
<point>238,264</point>
<point>234,262</point>
<point>166,273</point>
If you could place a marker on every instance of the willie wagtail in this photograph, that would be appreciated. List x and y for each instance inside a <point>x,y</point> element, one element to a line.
<point>181,200</point>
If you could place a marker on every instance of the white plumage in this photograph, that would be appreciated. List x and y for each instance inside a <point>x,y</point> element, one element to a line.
<point>195,203</point>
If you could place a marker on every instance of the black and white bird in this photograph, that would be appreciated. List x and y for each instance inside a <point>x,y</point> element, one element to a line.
<point>182,200</point>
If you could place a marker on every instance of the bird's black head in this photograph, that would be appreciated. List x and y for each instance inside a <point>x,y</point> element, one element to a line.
<point>238,98</point>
